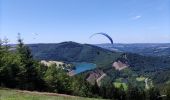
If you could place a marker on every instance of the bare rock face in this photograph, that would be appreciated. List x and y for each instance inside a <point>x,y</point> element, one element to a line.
<point>95,76</point>
<point>118,65</point>
<point>121,63</point>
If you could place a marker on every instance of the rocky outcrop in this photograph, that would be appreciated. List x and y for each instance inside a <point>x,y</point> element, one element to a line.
<point>118,65</point>
<point>95,76</point>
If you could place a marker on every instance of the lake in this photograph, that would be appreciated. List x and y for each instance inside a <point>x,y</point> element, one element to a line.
<point>83,66</point>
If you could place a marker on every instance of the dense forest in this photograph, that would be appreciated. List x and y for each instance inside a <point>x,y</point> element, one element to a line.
<point>19,70</point>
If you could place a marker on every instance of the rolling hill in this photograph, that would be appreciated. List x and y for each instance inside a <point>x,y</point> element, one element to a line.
<point>74,52</point>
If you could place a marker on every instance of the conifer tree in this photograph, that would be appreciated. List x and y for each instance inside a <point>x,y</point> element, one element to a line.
<point>1,52</point>
<point>168,92</point>
<point>154,94</point>
<point>8,65</point>
<point>29,78</point>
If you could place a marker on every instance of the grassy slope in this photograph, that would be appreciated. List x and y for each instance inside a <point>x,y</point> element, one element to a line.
<point>118,85</point>
<point>8,94</point>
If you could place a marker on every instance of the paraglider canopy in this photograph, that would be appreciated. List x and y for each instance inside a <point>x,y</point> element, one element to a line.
<point>104,34</point>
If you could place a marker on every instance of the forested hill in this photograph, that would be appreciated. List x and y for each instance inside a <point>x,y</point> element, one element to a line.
<point>75,52</point>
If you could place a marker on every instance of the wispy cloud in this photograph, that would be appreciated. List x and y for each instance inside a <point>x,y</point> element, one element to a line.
<point>136,17</point>
<point>34,33</point>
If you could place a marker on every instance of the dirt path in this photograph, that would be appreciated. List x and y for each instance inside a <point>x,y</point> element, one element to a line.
<point>44,93</point>
<point>100,78</point>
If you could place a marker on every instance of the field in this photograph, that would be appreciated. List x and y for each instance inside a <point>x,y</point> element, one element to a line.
<point>119,84</point>
<point>140,79</point>
<point>8,94</point>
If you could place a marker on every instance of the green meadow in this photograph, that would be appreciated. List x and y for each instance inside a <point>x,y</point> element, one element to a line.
<point>8,94</point>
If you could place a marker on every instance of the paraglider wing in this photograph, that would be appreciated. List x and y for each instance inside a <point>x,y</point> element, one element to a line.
<point>104,35</point>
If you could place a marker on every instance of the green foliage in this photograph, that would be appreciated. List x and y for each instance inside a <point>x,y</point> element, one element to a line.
<point>81,87</point>
<point>9,70</point>
<point>8,67</point>
<point>134,93</point>
<point>95,89</point>
<point>154,94</point>
<point>41,69</point>
<point>168,92</point>
<point>119,84</point>
<point>28,75</point>
<point>18,70</point>
<point>58,80</point>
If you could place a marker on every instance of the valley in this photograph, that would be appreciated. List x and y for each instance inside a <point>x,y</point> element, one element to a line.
<point>101,65</point>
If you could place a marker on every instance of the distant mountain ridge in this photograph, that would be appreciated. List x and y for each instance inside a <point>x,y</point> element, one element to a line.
<point>147,49</point>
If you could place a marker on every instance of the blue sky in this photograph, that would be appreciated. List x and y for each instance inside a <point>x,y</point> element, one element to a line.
<point>53,21</point>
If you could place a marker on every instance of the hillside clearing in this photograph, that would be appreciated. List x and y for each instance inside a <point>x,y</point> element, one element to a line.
<point>140,79</point>
<point>119,84</point>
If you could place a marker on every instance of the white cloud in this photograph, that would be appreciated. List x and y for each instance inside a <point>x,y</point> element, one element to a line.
<point>136,17</point>
<point>34,33</point>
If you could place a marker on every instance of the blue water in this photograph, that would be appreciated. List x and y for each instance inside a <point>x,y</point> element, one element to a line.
<point>83,66</point>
